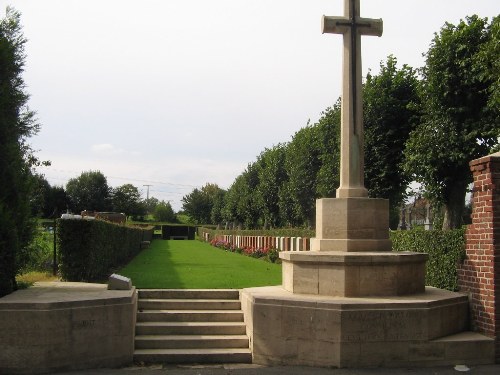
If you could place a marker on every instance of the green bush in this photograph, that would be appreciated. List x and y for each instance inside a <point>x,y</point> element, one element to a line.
<point>40,252</point>
<point>446,251</point>
<point>90,250</point>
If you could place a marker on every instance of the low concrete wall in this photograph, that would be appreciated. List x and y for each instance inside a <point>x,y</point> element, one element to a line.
<point>66,326</point>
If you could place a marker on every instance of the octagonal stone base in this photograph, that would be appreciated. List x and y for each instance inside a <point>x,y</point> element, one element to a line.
<point>344,274</point>
<point>427,329</point>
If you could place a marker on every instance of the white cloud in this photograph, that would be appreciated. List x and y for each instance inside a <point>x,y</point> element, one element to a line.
<point>107,149</point>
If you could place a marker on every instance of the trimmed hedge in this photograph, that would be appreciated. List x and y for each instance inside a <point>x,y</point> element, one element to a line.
<point>446,251</point>
<point>90,249</point>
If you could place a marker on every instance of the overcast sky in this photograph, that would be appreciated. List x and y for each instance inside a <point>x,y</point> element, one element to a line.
<point>178,93</point>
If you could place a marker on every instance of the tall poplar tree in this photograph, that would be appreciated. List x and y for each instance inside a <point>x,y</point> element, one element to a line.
<point>17,124</point>
<point>460,116</point>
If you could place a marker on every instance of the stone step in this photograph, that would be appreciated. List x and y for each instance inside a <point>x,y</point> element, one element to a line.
<point>472,347</point>
<point>188,304</point>
<point>190,341</point>
<point>193,356</point>
<point>190,316</point>
<point>232,294</point>
<point>190,328</point>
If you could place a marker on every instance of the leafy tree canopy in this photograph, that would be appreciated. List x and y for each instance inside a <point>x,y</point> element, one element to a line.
<point>391,112</point>
<point>127,199</point>
<point>163,212</point>
<point>89,191</point>
<point>199,203</point>
<point>460,115</point>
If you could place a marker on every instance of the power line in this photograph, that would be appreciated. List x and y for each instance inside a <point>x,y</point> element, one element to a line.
<point>124,178</point>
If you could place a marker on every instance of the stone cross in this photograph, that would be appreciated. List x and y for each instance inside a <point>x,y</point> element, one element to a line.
<point>352,26</point>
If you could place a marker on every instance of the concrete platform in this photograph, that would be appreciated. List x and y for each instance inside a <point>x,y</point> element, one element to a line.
<point>59,326</point>
<point>427,329</point>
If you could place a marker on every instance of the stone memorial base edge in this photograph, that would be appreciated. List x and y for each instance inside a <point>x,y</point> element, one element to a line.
<point>347,274</point>
<point>429,329</point>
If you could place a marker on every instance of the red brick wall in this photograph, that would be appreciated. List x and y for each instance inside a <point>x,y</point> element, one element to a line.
<point>479,276</point>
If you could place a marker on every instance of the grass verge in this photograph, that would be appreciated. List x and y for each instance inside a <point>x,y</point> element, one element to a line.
<point>27,279</point>
<point>197,265</point>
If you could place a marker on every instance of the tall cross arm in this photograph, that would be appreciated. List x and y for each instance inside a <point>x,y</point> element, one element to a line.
<point>340,25</point>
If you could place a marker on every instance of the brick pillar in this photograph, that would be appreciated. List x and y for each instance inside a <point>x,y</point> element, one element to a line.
<point>479,275</point>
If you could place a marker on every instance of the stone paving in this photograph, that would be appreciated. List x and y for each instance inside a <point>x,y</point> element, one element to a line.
<point>245,369</point>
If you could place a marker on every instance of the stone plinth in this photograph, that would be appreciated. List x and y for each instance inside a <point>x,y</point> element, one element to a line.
<point>346,274</point>
<point>427,329</point>
<point>352,224</point>
<point>66,326</point>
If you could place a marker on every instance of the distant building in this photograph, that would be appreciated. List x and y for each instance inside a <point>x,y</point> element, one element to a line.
<point>418,213</point>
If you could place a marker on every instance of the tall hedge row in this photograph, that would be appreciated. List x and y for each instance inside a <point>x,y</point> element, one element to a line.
<point>446,251</point>
<point>90,250</point>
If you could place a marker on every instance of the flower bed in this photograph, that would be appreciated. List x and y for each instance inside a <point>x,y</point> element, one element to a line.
<point>269,254</point>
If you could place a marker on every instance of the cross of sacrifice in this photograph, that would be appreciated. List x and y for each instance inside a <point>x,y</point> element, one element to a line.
<point>352,26</point>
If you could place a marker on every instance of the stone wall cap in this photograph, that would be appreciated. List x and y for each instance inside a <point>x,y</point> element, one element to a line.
<point>56,295</point>
<point>485,159</point>
<point>278,296</point>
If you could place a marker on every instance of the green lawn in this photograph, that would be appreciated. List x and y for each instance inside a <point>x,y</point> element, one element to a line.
<point>197,265</point>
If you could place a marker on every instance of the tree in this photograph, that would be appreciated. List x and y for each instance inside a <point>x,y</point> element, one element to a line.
<point>89,191</point>
<point>391,111</point>
<point>127,199</point>
<point>271,176</point>
<point>328,143</point>
<point>216,215</point>
<point>459,121</point>
<point>199,203</point>
<point>17,124</point>
<point>151,204</point>
<point>164,212</point>
<point>302,164</point>
<point>488,62</point>
<point>241,203</point>
<point>48,200</point>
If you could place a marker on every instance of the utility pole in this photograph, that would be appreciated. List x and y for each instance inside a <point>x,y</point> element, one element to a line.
<point>147,194</point>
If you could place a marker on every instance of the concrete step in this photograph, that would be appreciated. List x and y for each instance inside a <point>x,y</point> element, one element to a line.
<point>472,347</point>
<point>190,328</point>
<point>193,355</point>
<point>190,316</point>
<point>191,341</point>
<point>188,304</point>
<point>232,294</point>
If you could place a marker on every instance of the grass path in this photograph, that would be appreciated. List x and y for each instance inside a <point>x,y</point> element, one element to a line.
<point>197,265</point>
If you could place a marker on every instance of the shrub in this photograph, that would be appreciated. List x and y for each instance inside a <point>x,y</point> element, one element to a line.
<point>40,252</point>
<point>446,251</point>
<point>89,250</point>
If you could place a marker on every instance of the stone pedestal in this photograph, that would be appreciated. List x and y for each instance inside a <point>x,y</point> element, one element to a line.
<point>352,224</point>
<point>351,255</point>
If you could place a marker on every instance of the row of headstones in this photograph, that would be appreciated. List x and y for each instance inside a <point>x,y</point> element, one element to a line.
<point>263,242</point>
